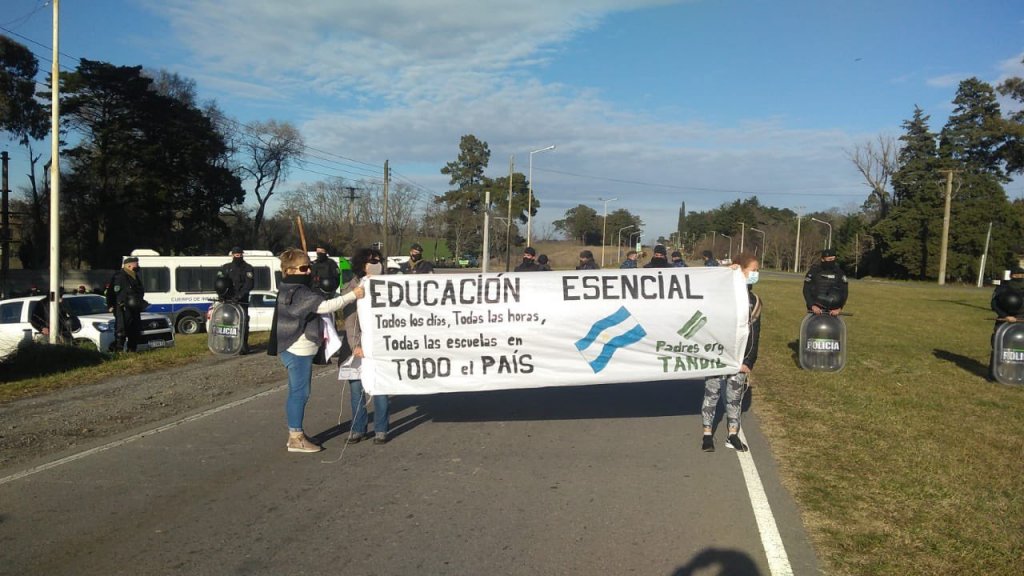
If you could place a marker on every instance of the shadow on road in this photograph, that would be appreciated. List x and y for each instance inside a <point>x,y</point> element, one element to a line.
<point>726,562</point>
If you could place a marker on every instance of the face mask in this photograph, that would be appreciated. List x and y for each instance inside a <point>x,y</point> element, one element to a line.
<point>527,260</point>
<point>374,269</point>
<point>415,257</point>
<point>321,256</point>
<point>752,278</point>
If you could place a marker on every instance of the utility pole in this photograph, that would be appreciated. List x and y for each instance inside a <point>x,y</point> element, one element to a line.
<point>508,221</point>
<point>743,228</point>
<point>487,235</point>
<point>55,177</point>
<point>796,255</point>
<point>387,180</point>
<point>984,256</point>
<point>351,198</point>
<point>945,226</point>
<point>5,230</point>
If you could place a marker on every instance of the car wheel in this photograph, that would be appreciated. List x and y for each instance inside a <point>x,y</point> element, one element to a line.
<point>189,325</point>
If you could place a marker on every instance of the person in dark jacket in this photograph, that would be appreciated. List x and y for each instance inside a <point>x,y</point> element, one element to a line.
<point>587,261</point>
<point>243,278</point>
<point>677,260</point>
<point>825,286</point>
<point>659,259</point>
<point>296,333</point>
<point>543,264</point>
<point>416,264</point>
<point>325,271</point>
<point>126,300</point>
<point>529,264</point>
<point>367,262</point>
<point>1008,304</point>
<point>709,258</point>
<point>630,262</point>
<point>736,384</point>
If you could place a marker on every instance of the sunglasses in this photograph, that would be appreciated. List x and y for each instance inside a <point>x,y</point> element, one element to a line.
<point>303,268</point>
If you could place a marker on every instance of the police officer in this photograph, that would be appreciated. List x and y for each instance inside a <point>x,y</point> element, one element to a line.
<point>529,264</point>
<point>416,264</point>
<point>825,287</point>
<point>659,259</point>
<point>677,260</point>
<point>126,300</point>
<point>326,274</point>
<point>242,278</point>
<point>1008,303</point>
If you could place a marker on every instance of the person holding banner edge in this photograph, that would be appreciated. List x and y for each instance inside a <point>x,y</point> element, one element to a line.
<point>366,262</point>
<point>735,385</point>
<point>296,334</point>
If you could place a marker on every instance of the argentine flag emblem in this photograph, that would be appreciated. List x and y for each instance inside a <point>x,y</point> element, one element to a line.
<point>608,335</point>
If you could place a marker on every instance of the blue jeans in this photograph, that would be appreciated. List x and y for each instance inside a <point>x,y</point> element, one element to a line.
<point>300,373</point>
<point>380,410</point>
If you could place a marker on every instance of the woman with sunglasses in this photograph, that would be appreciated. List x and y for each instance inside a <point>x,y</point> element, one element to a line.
<point>366,262</point>
<point>297,333</point>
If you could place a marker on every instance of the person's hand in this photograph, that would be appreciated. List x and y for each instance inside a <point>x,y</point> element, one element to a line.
<point>744,369</point>
<point>1011,318</point>
<point>359,291</point>
<point>815,308</point>
<point>835,312</point>
<point>358,352</point>
<point>110,309</point>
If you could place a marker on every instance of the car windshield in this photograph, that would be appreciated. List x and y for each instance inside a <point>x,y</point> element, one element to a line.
<point>85,305</point>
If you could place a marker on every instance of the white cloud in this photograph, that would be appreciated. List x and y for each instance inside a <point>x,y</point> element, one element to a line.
<point>947,80</point>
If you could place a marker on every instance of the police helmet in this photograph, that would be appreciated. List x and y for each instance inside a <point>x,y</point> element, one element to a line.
<point>223,286</point>
<point>328,284</point>
<point>1011,302</point>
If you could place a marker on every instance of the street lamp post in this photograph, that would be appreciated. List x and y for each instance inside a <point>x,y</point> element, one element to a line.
<point>729,256</point>
<point>604,227</point>
<point>631,234</point>
<point>618,244</point>
<point>829,245</point>
<point>763,245</point>
<point>529,201</point>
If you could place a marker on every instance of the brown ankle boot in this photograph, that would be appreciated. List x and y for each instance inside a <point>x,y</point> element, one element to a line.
<point>297,442</point>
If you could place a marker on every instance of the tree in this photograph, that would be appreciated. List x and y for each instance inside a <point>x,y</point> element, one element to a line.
<point>974,134</point>
<point>1012,151</point>
<point>876,161</point>
<point>20,113</point>
<point>581,223</point>
<point>144,171</point>
<point>269,150</point>
<point>466,202</point>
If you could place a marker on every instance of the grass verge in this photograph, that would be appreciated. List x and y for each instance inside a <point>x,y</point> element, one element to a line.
<point>40,368</point>
<point>908,461</point>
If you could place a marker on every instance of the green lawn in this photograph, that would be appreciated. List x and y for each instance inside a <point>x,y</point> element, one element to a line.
<point>908,461</point>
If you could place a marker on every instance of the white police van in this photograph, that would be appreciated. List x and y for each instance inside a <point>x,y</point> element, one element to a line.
<point>181,287</point>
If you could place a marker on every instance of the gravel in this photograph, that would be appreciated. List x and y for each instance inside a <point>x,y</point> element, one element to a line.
<point>74,419</point>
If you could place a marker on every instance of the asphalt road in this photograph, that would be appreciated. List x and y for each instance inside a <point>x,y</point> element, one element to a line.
<point>592,480</point>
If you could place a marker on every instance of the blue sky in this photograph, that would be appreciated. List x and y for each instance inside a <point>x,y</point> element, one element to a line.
<point>701,101</point>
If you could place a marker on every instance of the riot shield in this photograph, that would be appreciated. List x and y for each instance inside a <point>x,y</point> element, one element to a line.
<point>1008,354</point>
<point>822,343</point>
<point>226,329</point>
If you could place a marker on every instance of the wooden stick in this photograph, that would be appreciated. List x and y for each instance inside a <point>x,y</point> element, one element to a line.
<point>302,233</point>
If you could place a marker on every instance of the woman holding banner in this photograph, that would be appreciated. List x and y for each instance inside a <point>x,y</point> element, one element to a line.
<point>736,384</point>
<point>365,262</point>
<point>296,334</point>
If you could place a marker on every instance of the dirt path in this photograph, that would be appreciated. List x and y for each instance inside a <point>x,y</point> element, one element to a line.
<point>80,417</point>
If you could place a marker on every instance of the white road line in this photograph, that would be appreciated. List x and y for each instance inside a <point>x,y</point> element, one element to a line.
<point>140,435</point>
<point>778,561</point>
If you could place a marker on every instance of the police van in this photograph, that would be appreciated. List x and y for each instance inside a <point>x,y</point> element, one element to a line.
<point>181,287</point>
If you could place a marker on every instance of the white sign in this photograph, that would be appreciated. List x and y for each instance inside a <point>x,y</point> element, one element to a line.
<point>423,334</point>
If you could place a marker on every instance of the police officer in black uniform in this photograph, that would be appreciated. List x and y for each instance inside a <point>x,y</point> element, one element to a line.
<point>825,287</point>
<point>529,263</point>
<point>416,264</point>
<point>242,278</point>
<point>126,300</point>
<point>1008,303</point>
<point>658,258</point>
<point>326,274</point>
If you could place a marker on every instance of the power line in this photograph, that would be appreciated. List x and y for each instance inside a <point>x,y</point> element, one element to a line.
<point>691,188</point>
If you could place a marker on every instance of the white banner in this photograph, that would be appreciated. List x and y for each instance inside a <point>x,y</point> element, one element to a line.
<point>469,332</point>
